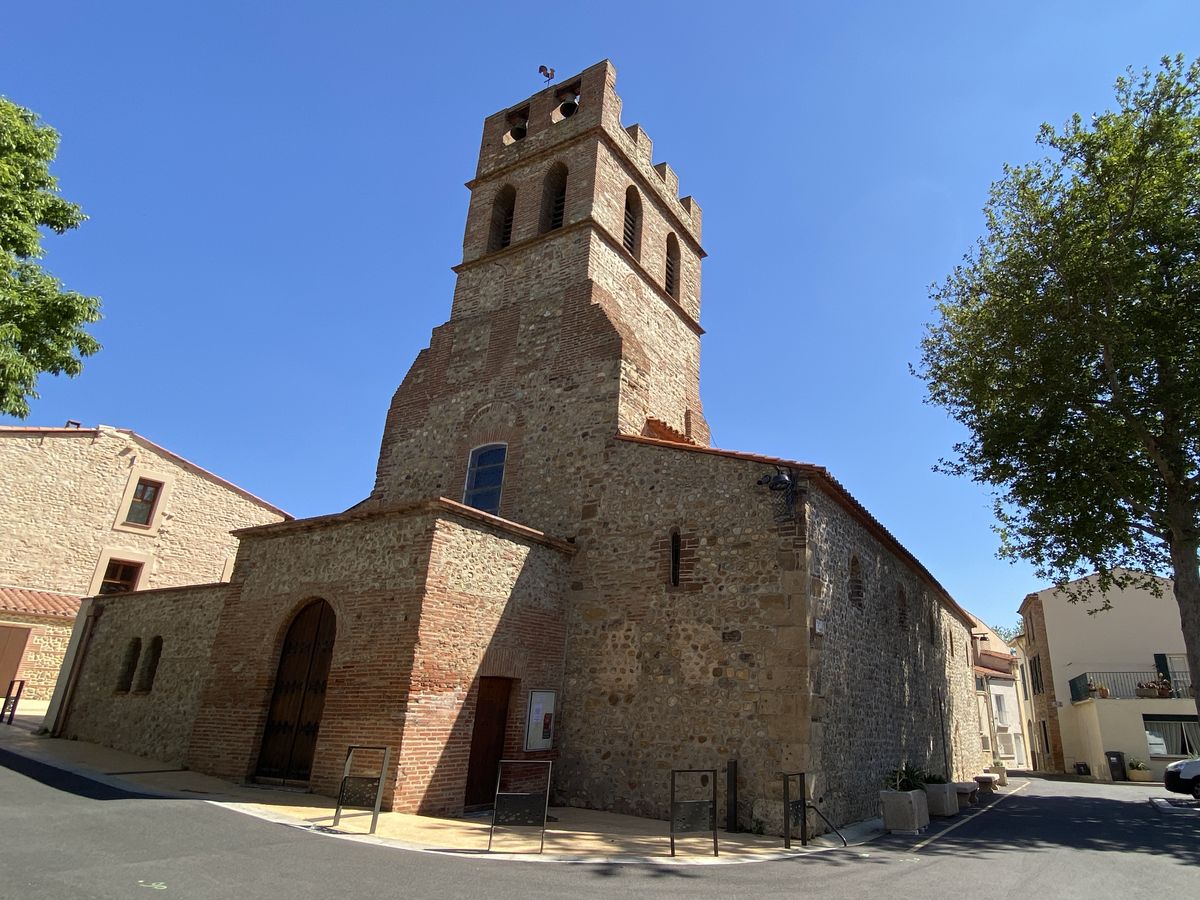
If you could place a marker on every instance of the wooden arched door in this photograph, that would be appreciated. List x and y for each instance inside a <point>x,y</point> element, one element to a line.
<point>290,737</point>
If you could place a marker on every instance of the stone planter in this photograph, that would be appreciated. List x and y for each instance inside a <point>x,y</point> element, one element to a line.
<point>904,812</point>
<point>1141,775</point>
<point>942,799</point>
<point>1147,692</point>
<point>999,769</point>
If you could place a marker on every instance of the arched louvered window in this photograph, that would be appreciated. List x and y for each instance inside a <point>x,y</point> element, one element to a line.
<point>854,586</point>
<point>671,279</point>
<point>631,234</point>
<point>145,678</point>
<point>554,198</point>
<point>503,209</point>
<point>676,555</point>
<point>485,478</point>
<point>129,665</point>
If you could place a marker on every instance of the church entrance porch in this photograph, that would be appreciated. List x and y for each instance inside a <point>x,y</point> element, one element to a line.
<point>294,718</point>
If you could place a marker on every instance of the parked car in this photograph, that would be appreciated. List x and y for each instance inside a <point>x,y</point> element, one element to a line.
<point>1183,777</point>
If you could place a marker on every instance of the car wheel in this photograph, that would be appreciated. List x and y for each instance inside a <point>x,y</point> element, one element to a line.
<point>1196,788</point>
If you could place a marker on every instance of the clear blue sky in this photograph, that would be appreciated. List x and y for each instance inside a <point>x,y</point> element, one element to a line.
<point>276,198</point>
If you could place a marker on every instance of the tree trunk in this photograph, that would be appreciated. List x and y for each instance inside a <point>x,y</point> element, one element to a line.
<point>1186,562</point>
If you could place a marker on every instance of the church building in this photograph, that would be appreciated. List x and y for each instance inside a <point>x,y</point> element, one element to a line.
<point>554,563</point>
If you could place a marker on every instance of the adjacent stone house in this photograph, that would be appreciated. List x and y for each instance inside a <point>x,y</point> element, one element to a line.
<point>98,511</point>
<point>554,563</point>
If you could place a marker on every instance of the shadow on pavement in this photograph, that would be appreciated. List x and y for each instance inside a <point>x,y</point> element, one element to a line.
<point>66,781</point>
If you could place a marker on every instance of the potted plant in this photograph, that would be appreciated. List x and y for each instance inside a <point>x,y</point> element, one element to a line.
<point>1157,687</point>
<point>941,795</point>
<point>1092,690</point>
<point>1138,770</point>
<point>1102,690</point>
<point>905,805</point>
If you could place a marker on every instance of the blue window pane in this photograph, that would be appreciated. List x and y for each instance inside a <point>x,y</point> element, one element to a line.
<point>492,456</point>
<point>488,501</point>
<point>490,477</point>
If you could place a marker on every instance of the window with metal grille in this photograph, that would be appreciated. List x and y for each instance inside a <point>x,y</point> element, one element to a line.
<point>632,232</point>
<point>485,478</point>
<point>503,210</point>
<point>120,577</point>
<point>554,198</point>
<point>145,497</point>
<point>671,281</point>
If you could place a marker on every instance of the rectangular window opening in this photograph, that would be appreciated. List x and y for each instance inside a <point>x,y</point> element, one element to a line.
<point>145,498</point>
<point>120,577</point>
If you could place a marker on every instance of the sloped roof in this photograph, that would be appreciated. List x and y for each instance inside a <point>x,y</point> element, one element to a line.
<point>150,445</point>
<point>836,490</point>
<point>38,603</point>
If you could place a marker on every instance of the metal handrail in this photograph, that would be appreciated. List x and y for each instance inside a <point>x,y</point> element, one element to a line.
<point>1124,685</point>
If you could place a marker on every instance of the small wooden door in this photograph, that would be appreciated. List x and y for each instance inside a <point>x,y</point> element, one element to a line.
<point>487,740</point>
<point>290,736</point>
<point>12,649</point>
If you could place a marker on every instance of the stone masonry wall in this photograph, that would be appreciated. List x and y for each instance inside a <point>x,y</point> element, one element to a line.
<point>1050,758</point>
<point>64,495</point>
<point>370,568</point>
<point>887,654</point>
<point>157,722</point>
<point>48,639</point>
<point>690,676</point>
<point>493,607</point>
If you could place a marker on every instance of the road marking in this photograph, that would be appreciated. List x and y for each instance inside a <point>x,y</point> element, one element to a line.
<point>964,821</point>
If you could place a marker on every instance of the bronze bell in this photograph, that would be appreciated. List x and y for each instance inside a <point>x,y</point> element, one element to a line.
<point>569,106</point>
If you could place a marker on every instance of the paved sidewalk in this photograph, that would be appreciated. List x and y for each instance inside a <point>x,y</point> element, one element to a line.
<point>577,835</point>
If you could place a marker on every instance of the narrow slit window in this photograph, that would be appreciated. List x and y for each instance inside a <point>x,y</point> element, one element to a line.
<point>632,230</point>
<point>854,586</point>
<point>129,665</point>
<point>901,607</point>
<point>554,198</point>
<point>676,550</point>
<point>503,211</point>
<point>671,280</point>
<point>485,478</point>
<point>149,669</point>
<point>145,498</point>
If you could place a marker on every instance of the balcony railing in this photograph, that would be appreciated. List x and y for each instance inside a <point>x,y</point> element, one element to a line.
<point>1124,685</point>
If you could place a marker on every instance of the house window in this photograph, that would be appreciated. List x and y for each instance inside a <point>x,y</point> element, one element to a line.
<point>1024,683</point>
<point>503,210</point>
<point>554,198</point>
<point>129,665</point>
<point>145,679</point>
<point>1001,712</point>
<point>854,585</point>
<point>979,683</point>
<point>631,233</point>
<point>671,281</point>
<point>145,498</point>
<point>485,476</point>
<point>1035,674</point>
<point>1172,735</point>
<point>676,553</point>
<point>120,577</point>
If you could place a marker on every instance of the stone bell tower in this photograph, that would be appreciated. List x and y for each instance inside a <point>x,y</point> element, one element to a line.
<point>575,316</point>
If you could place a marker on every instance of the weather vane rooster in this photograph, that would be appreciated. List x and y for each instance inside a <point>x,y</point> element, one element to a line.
<point>547,73</point>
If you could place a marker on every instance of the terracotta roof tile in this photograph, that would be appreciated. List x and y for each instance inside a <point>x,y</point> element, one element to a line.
<point>38,603</point>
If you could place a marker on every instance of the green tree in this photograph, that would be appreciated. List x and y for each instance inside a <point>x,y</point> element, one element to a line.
<point>1067,340</point>
<point>41,324</point>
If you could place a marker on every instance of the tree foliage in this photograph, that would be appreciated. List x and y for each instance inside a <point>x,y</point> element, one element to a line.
<point>1066,343</point>
<point>41,324</point>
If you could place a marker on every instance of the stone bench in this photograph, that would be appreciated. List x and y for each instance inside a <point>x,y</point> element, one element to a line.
<point>968,793</point>
<point>987,782</point>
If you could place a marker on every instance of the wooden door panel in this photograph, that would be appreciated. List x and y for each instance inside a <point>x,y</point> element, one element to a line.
<point>487,740</point>
<point>294,717</point>
<point>12,649</point>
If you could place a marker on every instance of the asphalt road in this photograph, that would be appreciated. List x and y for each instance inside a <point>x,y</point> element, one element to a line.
<point>62,836</point>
